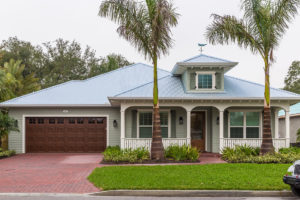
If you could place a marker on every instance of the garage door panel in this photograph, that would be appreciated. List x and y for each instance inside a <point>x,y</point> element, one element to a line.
<point>57,134</point>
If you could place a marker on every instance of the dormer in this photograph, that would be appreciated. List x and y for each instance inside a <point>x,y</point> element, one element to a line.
<point>203,73</point>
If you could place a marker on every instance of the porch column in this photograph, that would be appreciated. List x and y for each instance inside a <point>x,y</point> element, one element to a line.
<point>287,127</point>
<point>276,123</point>
<point>221,129</point>
<point>122,128</point>
<point>188,128</point>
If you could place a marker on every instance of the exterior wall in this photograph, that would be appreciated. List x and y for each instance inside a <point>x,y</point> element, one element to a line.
<point>177,130</point>
<point>294,126</point>
<point>215,131</point>
<point>16,138</point>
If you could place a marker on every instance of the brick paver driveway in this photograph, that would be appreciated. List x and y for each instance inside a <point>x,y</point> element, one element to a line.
<point>48,173</point>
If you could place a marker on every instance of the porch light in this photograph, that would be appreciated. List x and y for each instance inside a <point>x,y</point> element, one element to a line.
<point>180,120</point>
<point>115,123</point>
<point>218,120</point>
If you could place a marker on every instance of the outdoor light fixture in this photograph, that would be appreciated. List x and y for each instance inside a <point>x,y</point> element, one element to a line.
<point>218,120</point>
<point>115,123</point>
<point>180,120</point>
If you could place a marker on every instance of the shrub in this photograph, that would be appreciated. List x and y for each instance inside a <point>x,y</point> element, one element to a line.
<point>290,150</point>
<point>239,152</point>
<point>182,153</point>
<point>116,154</point>
<point>7,153</point>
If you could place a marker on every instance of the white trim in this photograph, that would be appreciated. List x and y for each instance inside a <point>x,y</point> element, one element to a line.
<point>213,73</point>
<point>245,111</point>
<point>60,115</point>
<point>151,110</point>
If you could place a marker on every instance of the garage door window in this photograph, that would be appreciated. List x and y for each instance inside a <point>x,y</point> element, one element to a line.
<point>71,121</point>
<point>100,120</point>
<point>51,121</point>
<point>79,120</point>
<point>60,120</point>
<point>91,121</point>
<point>31,121</point>
<point>40,121</point>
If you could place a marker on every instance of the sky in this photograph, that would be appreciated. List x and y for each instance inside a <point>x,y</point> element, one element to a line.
<point>40,21</point>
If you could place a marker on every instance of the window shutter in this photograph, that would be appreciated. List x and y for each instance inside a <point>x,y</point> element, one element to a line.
<point>193,81</point>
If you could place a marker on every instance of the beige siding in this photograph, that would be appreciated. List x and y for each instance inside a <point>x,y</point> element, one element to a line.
<point>16,138</point>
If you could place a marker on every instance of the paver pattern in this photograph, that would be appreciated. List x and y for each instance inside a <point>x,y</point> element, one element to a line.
<point>48,173</point>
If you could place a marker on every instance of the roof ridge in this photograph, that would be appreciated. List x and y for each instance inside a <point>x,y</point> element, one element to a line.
<point>141,85</point>
<point>42,90</point>
<point>261,85</point>
<point>224,60</point>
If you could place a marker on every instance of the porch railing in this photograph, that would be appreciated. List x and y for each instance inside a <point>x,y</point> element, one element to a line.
<point>254,142</point>
<point>134,143</point>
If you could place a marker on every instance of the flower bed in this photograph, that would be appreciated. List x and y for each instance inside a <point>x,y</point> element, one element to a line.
<point>173,154</point>
<point>6,153</point>
<point>247,154</point>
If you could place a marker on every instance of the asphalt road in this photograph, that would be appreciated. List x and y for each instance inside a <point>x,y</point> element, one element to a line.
<point>84,197</point>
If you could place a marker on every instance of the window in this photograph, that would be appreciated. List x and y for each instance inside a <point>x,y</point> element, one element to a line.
<point>60,120</point>
<point>51,120</point>
<point>40,120</point>
<point>91,121</point>
<point>145,124</point>
<point>79,120</point>
<point>71,121</point>
<point>31,120</point>
<point>100,120</point>
<point>205,80</point>
<point>244,124</point>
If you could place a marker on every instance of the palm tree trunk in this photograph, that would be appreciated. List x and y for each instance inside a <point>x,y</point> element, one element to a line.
<point>157,150</point>
<point>267,143</point>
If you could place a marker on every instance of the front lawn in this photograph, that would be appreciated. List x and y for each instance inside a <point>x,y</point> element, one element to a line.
<point>192,177</point>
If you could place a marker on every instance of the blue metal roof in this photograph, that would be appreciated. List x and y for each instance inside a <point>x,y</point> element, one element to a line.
<point>234,88</point>
<point>93,91</point>
<point>294,110</point>
<point>202,58</point>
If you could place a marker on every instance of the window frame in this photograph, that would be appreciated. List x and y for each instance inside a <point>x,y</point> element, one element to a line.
<point>245,123</point>
<point>206,73</point>
<point>151,111</point>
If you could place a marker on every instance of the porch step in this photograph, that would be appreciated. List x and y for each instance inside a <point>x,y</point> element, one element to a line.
<point>206,154</point>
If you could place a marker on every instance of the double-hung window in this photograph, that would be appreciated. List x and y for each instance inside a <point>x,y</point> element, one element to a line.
<point>244,124</point>
<point>205,80</point>
<point>145,124</point>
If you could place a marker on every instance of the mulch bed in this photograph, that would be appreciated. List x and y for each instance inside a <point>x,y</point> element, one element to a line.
<point>148,162</point>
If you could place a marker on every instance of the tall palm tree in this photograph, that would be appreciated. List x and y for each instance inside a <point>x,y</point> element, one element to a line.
<point>147,26</point>
<point>261,28</point>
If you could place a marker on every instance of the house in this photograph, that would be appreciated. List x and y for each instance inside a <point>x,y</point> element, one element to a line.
<point>199,105</point>
<point>294,121</point>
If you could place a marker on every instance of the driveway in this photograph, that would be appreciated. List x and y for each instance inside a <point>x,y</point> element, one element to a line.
<point>48,173</point>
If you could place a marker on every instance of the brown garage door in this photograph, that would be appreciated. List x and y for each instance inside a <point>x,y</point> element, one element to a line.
<point>57,134</point>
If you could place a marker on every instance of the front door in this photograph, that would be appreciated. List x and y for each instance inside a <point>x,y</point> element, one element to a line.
<point>198,130</point>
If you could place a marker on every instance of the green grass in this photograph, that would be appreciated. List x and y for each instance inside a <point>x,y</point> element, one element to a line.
<point>192,177</point>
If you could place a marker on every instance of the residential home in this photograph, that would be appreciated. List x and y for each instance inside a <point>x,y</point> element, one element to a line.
<point>294,122</point>
<point>199,105</point>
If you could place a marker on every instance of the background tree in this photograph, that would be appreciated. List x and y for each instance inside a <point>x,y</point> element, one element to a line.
<point>7,124</point>
<point>260,30</point>
<point>109,63</point>
<point>292,80</point>
<point>14,83</point>
<point>147,26</point>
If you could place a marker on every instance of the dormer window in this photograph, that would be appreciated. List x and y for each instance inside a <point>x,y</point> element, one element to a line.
<point>205,80</point>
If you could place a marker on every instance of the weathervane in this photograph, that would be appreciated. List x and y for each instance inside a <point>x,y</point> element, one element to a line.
<point>201,47</point>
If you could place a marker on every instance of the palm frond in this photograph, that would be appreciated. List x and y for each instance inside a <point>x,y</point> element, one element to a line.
<point>226,29</point>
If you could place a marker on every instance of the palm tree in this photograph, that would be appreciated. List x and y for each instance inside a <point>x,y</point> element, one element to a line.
<point>14,83</point>
<point>7,124</point>
<point>261,28</point>
<point>147,26</point>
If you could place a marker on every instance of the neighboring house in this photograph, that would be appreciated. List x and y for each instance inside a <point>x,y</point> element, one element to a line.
<point>294,121</point>
<point>199,105</point>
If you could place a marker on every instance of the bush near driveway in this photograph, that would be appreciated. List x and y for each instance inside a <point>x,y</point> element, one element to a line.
<point>191,177</point>
<point>7,153</point>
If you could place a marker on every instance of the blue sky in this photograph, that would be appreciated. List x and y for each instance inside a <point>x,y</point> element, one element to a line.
<point>39,21</point>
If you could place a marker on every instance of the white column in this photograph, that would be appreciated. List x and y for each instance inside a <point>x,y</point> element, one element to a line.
<point>122,128</point>
<point>287,127</point>
<point>221,129</point>
<point>276,124</point>
<point>188,126</point>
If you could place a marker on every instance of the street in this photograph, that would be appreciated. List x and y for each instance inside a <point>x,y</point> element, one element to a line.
<point>86,197</point>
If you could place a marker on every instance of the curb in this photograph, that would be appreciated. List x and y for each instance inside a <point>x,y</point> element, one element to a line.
<point>195,193</point>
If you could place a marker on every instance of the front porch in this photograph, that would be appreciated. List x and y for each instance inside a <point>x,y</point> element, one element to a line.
<point>210,128</point>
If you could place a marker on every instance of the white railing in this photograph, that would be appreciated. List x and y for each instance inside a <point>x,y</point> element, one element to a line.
<point>134,143</point>
<point>232,142</point>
